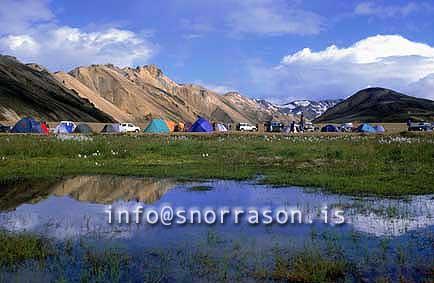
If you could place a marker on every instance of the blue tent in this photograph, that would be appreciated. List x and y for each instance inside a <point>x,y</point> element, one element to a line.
<point>27,125</point>
<point>63,128</point>
<point>366,128</point>
<point>157,126</point>
<point>329,129</point>
<point>201,125</point>
<point>379,129</point>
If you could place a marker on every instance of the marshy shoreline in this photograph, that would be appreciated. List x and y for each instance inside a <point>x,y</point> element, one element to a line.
<point>381,165</point>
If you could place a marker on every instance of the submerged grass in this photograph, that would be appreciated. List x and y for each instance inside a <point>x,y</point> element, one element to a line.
<point>18,248</point>
<point>349,164</point>
<point>217,259</point>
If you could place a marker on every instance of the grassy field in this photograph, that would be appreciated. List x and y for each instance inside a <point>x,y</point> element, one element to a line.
<point>387,165</point>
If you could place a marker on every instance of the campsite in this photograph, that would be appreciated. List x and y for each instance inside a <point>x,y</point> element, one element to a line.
<point>270,141</point>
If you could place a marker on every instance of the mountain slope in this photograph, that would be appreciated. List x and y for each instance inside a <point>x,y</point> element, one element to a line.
<point>256,110</point>
<point>310,109</point>
<point>96,99</point>
<point>29,90</point>
<point>145,92</point>
<point>379,105</point>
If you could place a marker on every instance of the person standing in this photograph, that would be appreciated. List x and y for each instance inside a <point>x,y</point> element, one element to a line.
<point>302,122</point>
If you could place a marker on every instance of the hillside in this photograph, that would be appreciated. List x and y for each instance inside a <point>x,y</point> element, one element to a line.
<point>144,92</point>
<point>29,90</point>
<point>379,105</point>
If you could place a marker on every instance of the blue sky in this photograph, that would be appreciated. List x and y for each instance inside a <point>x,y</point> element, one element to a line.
<point>273,49</point>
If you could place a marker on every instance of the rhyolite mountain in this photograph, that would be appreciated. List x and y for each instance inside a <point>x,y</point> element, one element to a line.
<point>379,105</point>
<point>137,94</point>
<point>106,93</point>
<point>30,90</point>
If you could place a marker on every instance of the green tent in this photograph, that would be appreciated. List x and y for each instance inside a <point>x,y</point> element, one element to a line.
<point>157,126</point>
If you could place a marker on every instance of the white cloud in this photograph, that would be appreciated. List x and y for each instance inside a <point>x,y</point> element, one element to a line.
<point>385,60</point>
<point>272,18</point>
<point>66,47</point>
<point>371,8</point>
<point>20,43</point>
<point>18,15</point>
<point>423,87</point>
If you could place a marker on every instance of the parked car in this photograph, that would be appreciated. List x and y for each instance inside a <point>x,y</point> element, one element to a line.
<point>274,126</point>
<point>346,127</point>
<point>309,127</point>
<point>420,127</point>
<point>129,128</point>
<point>4,129</point>
<point>246,127</point>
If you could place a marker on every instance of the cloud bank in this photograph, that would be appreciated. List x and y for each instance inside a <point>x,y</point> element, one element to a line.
<point>33,36</point>
<point>390,61</point>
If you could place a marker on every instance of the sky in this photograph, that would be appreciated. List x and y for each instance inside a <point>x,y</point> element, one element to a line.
<point>279,50</point>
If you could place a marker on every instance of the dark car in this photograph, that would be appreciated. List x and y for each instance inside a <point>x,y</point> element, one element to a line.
<point>274,126</point>
<point>4,129</point>
<point>420,127</point>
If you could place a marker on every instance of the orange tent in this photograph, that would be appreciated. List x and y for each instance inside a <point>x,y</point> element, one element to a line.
<point>171,125</point>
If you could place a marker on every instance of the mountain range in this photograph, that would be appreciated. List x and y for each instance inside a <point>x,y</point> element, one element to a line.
<point>310,109</point>
<point>106,93</point>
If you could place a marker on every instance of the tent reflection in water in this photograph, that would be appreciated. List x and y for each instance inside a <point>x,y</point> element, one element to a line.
<point>157,126</point>
<point>202,125</point>
<point>29,125</point>
<point>83,129</point>
<point>111,128</point>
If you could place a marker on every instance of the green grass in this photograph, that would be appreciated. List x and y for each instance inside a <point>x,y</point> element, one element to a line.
<point>320,258</point>
<point>18,248</point>
<point>351,164</point>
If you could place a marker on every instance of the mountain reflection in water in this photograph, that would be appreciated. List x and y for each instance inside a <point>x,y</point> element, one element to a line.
<point>76,207</point>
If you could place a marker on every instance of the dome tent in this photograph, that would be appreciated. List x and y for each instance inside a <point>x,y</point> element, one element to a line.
<point>171,125</point>
<point>28,125</point>
<point>157,126</point>
<point>111,128</point>
<point>220,128</point>
<point>201,125</point>
<point>379,129</point>
<point>64,129</point>
<point>329,129</point>
<point>83,129</point>
<point>365,128</point>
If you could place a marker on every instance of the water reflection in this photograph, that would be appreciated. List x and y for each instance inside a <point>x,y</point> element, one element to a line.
<point>76,207</point>
<point>108,189</point>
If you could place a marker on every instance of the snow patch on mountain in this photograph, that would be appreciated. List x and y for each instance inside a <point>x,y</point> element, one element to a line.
<point>310,109</point>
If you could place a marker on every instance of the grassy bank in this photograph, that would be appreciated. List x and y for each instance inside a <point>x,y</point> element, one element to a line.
<point>350,164</point>
<point>321,258</point>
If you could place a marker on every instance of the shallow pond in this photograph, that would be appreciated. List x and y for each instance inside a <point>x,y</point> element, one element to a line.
<point>390,238</point>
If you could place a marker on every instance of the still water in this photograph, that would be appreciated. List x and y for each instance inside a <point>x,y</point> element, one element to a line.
<point>76,208</point>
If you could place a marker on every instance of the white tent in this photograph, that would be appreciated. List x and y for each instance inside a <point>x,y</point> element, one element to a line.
<point>221,128</point>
